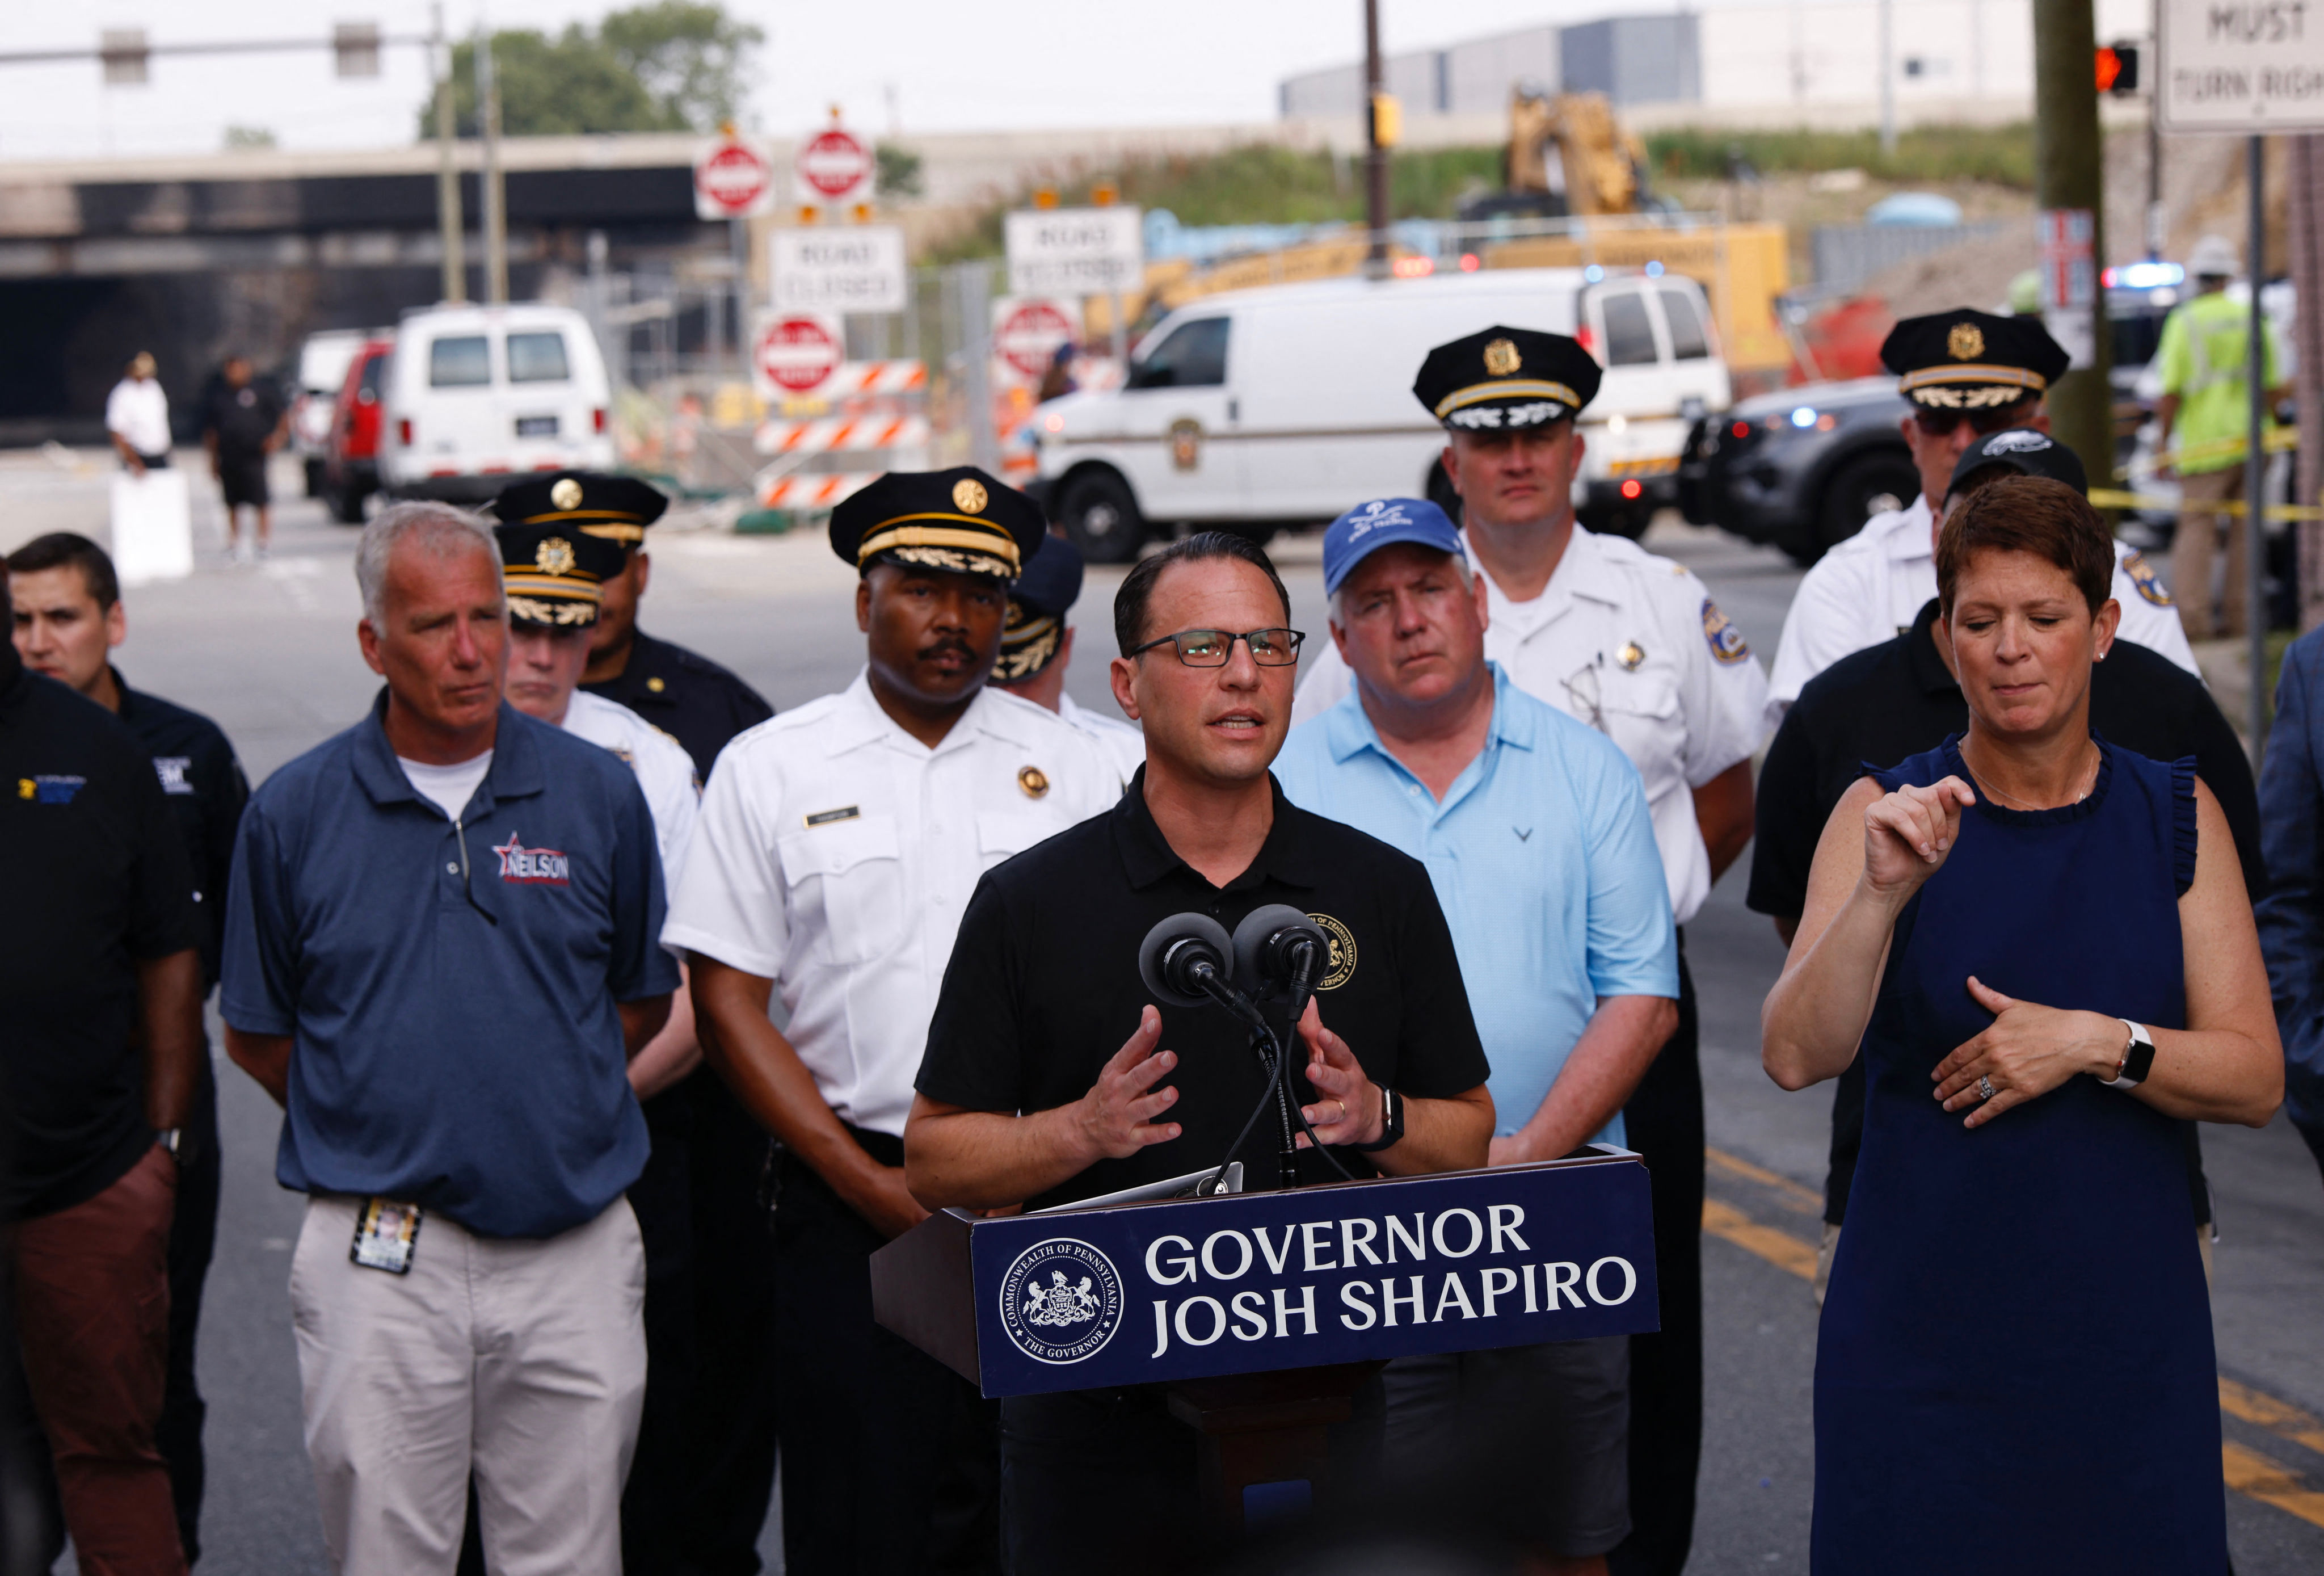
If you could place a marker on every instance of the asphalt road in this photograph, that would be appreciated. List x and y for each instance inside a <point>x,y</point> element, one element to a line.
<point>269,651</point>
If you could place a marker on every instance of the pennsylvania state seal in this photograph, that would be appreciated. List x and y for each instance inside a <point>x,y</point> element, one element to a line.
<point>1061,1301</point>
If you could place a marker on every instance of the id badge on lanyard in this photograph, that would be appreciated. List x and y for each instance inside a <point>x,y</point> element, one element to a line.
<point>386,1233</point>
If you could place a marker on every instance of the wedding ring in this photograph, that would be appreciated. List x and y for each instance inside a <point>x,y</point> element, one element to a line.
<point>1342,1105</point>
<point>1983,1086</point>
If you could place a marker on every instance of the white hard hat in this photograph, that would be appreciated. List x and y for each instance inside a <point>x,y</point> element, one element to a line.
<point>2214,257</point>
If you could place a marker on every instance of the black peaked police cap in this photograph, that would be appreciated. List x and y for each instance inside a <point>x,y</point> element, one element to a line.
<point>556,574</point>
<point>1037,604</point>
<point>961,521</point>
<point>1968,360</point>
<point>1502,379</point>
<point>614,508</point>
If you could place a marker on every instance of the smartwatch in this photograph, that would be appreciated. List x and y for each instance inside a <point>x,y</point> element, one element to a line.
<point>1391,1122</point>
<point>2137,1059</point>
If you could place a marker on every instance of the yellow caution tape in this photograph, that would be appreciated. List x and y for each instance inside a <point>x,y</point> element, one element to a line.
<point>2274,440</point>
<point>2115,498</point>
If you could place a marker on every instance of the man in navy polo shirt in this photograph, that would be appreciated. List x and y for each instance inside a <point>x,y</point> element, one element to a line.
<point>440,953</point>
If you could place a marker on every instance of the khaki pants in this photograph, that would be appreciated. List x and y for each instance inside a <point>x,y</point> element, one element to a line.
<point>522,1358</point>
<point>2196,549</point>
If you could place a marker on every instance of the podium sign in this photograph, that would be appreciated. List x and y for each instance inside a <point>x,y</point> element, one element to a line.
<point>1191,1288</point>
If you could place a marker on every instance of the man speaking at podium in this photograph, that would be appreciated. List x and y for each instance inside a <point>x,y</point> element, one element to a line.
<point>1051,1077</point>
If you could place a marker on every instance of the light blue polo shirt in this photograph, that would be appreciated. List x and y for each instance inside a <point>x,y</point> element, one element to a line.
<point>1543,856</point>
<point>450,988</point>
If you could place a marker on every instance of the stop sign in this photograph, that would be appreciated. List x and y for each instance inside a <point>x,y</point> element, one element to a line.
<point>1028,336</point>
<point>730,182</point>
<point>834,165</point>
<point>798,352</point>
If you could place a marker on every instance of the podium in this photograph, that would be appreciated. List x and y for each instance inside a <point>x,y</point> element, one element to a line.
<point>1265,1312</point>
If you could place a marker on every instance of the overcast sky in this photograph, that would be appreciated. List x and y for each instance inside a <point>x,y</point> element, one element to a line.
<point>951,65</point>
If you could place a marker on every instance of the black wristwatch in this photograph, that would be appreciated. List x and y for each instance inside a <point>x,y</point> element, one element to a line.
<point>2137,1059</point>
<point>1391,1122</point>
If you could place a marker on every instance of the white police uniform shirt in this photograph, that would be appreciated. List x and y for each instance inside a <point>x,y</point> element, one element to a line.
<point>665,771</point>
<point>1124,744</point>
<point>836,854</point>
<point>1870,588</point>
<point>1631,644</point>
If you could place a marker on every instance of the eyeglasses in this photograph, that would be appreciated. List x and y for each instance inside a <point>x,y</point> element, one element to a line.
<point>1582,688</point>
<point>1983,423</point>
<point>1214,648</point>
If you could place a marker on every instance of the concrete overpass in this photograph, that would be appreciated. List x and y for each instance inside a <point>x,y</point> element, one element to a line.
<point>194,255</point>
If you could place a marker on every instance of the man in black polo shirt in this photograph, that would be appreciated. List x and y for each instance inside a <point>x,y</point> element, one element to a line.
<point>1898,698</point>
<point>1023,1098</point>
<point>69,618</point>
<point>100,1035</point>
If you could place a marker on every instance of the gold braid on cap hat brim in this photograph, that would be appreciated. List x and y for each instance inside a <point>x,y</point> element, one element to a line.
<point>890,536</point>
<point>1512,388</point>
<point>1028,648</point>
<point>2014,381</point>
<point>627,533</point>
<point>566,612</point>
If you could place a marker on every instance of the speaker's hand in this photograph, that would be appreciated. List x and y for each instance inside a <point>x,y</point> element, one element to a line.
<point>1116,1118</point>
<point>1348,1109</point>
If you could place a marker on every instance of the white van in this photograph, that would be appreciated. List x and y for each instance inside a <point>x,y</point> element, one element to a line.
<point>1260,409</point>
<point>475,394</point>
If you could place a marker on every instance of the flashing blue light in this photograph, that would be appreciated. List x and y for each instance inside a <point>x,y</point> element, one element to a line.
<point>1804,416</point>
<point>1653,271</point>
<point>1593,273</point>
<point>2144,275</point>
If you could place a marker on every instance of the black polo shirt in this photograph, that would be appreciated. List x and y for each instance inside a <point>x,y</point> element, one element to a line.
<point>1043,986</point>
<point>1895,700</point>
<point>203,782</point>
<point>686,695</point>
<point>93,881</point>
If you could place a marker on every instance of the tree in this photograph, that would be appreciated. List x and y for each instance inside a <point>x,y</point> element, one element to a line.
<point>692,59</point>
<point>677,65</point>
<point>558,86</point>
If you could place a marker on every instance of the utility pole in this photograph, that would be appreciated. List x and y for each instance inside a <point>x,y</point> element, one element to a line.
<point>494,196</point>
<point>1888,78</point>
<point>1375,150</point>
<point>2253,525</point>
<point>2070,191</point>
<point>447,167</point>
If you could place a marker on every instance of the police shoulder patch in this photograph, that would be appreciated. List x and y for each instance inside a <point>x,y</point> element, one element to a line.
<point>1726,643</point>
<point>2149,584</point>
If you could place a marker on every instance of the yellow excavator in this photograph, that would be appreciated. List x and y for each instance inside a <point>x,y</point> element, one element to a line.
<point>1566,156</point>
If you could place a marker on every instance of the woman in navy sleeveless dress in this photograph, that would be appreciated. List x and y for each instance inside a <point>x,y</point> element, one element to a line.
<point>2015,1368</point>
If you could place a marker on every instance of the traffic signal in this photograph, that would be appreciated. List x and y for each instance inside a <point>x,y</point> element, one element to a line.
<point>2118,70</point>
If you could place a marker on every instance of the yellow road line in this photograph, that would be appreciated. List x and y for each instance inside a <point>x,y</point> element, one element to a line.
<point>2248,1471</point>
<point>2255,1477</point>
<point>1779,1248</point>
<point>1793,1195</point>
<point>2280,1418</point>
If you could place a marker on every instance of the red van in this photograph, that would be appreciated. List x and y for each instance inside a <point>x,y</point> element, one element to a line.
<point>351,458</point>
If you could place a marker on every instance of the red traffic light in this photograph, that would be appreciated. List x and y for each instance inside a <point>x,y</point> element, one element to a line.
<point>2118,68</point>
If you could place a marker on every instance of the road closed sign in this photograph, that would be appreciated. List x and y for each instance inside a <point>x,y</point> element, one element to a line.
<point>1027,333</point>
<point>837,268</point>
<point>732,179</point>
<point>2248,67</point>
<point>794,354</point>
<point>1075,251</point>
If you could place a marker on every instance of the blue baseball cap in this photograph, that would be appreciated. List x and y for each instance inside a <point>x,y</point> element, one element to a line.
<point>1348,540</point>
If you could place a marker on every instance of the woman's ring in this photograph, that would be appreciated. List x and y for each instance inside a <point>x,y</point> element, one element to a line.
<point>1983,1086</point>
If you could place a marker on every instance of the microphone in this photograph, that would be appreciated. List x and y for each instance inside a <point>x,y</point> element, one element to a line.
<point>1185,962</point>
<point>1279,953</point>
